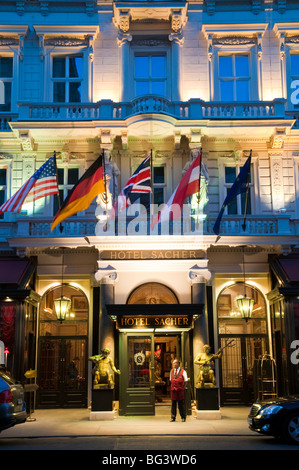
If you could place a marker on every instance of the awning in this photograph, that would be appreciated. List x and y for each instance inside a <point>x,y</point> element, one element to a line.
<point>154,309</point>
<point>15,272</point>
<point>287,269</point>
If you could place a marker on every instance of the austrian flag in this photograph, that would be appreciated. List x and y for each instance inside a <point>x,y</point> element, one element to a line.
<point>190,184</point>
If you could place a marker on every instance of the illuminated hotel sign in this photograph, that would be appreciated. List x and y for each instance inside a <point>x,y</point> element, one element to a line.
<point>151,254</point>
<point>154,321</point>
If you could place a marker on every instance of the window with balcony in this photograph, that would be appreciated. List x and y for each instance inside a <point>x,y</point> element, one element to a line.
<point>234,77</point>
<point>67,178</point>
<point>237,205</point>
<point>67,78</point>
<point>3,187</point>
<point>6,79</point>
<point>150,74</point>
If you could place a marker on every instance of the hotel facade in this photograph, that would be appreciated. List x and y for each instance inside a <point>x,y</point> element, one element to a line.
<point>173,79</point>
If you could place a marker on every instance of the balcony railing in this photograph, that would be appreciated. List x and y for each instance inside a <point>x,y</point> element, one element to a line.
<point>150,104</point>
<point>256,226</point>
<point>5,119</point>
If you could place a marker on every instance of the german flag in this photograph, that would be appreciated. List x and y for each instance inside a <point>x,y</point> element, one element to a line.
<point>83,193</point>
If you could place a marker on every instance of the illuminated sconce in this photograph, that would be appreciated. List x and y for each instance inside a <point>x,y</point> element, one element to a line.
<point>63,304</point>
<point>245,304</point>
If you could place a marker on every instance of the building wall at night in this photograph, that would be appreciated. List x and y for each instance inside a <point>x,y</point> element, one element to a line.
<point>172,78</point>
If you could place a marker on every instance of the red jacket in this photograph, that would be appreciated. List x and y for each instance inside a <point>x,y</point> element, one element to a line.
<point>177,386</point>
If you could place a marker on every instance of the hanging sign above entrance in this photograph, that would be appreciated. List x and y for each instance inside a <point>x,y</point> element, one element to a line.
<point>151,254</point>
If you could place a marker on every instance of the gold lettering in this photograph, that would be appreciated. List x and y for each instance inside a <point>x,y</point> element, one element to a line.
<point>154,254</point>
<point>192,254</point>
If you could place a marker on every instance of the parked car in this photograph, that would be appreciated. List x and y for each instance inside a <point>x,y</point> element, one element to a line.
<point>278,417</point>
<point>12,404</point>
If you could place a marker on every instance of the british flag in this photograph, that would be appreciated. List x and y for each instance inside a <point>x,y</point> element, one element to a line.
<point>43,183</point>
<point>138,184</point>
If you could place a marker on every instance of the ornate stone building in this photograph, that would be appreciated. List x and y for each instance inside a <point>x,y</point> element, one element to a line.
<point>172,78</point>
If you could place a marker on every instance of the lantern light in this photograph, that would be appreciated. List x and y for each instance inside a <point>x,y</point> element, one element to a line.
<point>245,304</point>
<point>63,304</point>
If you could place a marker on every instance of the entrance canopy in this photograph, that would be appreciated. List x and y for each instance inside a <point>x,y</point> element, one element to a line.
<point>177,316</point>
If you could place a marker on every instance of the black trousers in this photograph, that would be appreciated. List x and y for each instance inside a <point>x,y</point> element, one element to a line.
<point>181,406</point>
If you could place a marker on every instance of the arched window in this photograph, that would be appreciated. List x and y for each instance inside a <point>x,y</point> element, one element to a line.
<point>230,320</point>
<point>76,323</point>
<point>152,293</point>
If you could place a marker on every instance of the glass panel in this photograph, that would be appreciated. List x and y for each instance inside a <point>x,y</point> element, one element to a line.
<point>75,364</point>
<point>158,195</point>
<point>58,67</point>
<point>225,66</point>
<point>158,88</point>
<point>159,174</point>
<point>2,177</point>
<point>226,91</point>
<point>60,175</point>
<point>75,92</point>
<point>242,65</point>
<point>75,67</point>
<point>6,67</point>
<point>59,92</point>
<point>49,376</point>
<point>141,67</point>
<point>158,67</point>
<point>232,207</point>
<point>142,88</point>
<point>77,321</point>
<point>243,202</point>
<point>139,353</point>
<point>230,174</point>
<point>242,90</point>
<point>295,64</point>
<point>231,364</point>
<point>7,97</point>
<point>73,175</point>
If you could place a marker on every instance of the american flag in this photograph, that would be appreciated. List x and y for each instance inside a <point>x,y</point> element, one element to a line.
<point>43,183</point>
<point>138,184</point>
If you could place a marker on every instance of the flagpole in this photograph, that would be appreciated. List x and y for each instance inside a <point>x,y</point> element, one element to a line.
<point>246,198</point>
<point>198,197</point>
<point>58,195</point>
<point>151,193</point>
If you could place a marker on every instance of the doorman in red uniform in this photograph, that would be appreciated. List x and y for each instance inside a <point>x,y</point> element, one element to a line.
<point>178,381</point>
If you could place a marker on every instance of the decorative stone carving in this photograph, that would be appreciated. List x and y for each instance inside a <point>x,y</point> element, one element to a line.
<point>66,42</point>
<point>234,40</point>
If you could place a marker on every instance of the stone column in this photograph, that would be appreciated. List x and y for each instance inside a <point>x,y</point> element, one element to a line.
<point>177,41</point>
<point>106,326</point>
<point>124,40</point>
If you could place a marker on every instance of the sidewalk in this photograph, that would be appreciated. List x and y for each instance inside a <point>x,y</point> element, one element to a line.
<point>76,422</point>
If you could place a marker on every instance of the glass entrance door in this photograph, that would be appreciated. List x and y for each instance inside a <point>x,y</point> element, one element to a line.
<point>62,373</point>
<point>137,379</point>
<point>236,368</point>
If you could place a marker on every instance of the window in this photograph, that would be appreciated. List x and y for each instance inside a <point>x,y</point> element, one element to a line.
<point>234,77</point>
<point>3,187</point>
<point>150,74</point>
<point>6,77</point>
<point>237,205</point>
<point>67,76</point>
<point>159,184</point>
<point>67,178</point>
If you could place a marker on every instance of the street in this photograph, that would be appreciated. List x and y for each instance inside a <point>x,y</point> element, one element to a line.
<point>177,444</point>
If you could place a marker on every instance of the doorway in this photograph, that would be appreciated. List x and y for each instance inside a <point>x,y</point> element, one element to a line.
<point>63,351</point>
<point>145,361</point>
<point>167,348</point>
